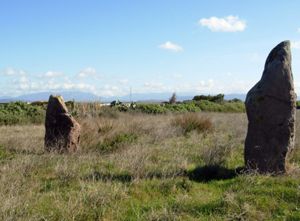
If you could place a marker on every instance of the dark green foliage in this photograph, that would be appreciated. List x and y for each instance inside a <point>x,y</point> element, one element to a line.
<point>21,113</point>
<point>192,106</point>
<point>151,108</point>
<point>209,106</point>
<point>217,98</point>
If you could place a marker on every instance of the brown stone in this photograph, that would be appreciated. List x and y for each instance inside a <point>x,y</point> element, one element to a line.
<point>62,130</point>
<point>271,111</point>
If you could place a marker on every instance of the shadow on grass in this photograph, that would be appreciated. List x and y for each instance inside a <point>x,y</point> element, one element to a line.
<point>105,177</point>
<point>199,174</point>
<point>213,172</point>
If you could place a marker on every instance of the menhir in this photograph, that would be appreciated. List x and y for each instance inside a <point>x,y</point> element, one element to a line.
<point>62,130</point>
<point>271,111</point>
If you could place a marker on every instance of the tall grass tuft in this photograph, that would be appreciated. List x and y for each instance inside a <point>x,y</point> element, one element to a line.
<point>193,122</point>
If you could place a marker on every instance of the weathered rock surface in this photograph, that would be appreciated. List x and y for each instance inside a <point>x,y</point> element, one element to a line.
<point>62,130</point>
<point>271,111</point>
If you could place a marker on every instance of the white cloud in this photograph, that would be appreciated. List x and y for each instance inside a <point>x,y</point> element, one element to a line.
<point>171,47</point>
<point>89,71</point>
<point>298,30</point>
<point>52,74</point>
<point>205,85</point>
<point>226,24</point>
<point>24,83</point>
<point>111,90</point>
<point>154,85</point>
<point>12,71</point>
<point>295,44</point>
<point>123,81</point>
<point>78,86</point>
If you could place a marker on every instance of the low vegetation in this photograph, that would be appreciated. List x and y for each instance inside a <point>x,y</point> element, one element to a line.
<point>192,106</point>
<point>173,166</point>
<point>17,113</point>
<point>21,113</point>
<point>193,122</point>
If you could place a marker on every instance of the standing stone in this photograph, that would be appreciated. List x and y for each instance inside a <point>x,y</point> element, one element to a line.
<point>62,131</point>
<point>271,111</point>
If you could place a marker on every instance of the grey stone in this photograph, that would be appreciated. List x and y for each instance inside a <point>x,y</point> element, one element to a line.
<point>62,130</point>
<point>271,111</point>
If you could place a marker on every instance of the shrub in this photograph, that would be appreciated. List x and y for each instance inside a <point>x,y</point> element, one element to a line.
<point>189,122</point>
<point>21,113</point>
<point>115,142</point>
<point>151,108</point>
<point>217,98</point>
<point>192,106</point>
<point>220,107</point>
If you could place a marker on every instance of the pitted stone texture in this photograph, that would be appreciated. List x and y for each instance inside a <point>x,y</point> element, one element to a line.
<point>271,111</point>
<point>62,130</point>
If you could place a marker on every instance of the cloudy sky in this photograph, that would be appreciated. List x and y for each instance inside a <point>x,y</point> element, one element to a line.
<point>107,46</point>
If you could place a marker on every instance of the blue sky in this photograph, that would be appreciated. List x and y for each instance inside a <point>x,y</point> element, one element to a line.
<point>106,47</point>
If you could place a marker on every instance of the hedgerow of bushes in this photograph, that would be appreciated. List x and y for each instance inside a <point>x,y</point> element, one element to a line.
<point>192,106</point>
<point>21,113</point>
<point>24,113</point>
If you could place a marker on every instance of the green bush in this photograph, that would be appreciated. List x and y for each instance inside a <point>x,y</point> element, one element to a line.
<point>221,107</point>
<point>192,106</point>
<point>217,98</point>
<point>151,108</point>
<point>21,113</point>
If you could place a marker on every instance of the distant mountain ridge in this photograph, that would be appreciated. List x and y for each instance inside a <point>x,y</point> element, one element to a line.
<point>90,97</point>
<point>44,96</point>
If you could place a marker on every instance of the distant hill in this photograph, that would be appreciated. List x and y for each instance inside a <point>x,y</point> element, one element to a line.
<point>89,97</point>
<point>44,96</point>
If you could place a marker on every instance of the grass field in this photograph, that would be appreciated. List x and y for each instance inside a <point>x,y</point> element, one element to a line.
<point>135,166</point>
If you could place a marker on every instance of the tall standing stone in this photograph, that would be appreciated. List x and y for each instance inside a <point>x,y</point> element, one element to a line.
<point>271,111</point>
<point>62,130</point>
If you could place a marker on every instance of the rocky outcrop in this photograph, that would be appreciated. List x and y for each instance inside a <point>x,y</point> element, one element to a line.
<point>62,130</point>
<point>271,111</point>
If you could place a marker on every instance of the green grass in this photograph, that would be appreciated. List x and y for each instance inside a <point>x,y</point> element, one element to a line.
<point>67,197</point>
<point>148,170</point>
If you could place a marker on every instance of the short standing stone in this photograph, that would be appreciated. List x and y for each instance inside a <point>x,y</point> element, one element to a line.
<point>271,111</point>
<point>62,131</point>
